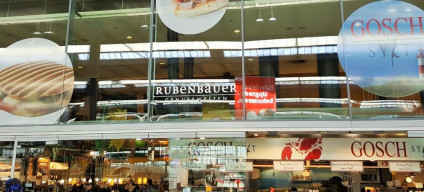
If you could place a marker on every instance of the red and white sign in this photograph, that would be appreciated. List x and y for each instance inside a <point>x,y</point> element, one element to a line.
<point>349,149</point>
<point>303,148</point>
<point>259,97</point>
<point>342,149</point>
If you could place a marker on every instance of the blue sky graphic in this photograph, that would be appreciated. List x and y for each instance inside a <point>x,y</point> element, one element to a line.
<point>376,60</point>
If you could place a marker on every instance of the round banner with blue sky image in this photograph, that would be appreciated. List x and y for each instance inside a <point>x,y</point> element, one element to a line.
<point>381,48</point>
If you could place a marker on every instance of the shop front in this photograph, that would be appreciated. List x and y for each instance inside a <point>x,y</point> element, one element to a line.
<point>212,95</point>
<point>260,161</point>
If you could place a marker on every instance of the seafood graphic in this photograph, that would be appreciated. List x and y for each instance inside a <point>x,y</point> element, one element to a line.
<point>303,148</point>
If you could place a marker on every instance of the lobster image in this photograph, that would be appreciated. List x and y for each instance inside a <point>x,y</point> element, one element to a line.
<point>303,148</point>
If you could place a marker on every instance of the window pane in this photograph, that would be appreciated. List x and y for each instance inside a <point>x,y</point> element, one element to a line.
<point>304,78</point>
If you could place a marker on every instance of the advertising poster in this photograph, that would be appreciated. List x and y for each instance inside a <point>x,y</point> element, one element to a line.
<point>36,82</point>
<point>380,48</point>
<point>259,97</point>
<point>200,15</point>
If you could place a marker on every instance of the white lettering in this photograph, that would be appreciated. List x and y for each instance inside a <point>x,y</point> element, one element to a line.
<point>159,90</point>
<point>183,90</point>
<point>169,90</point>
<point>175,90</point>
<point>216,89</point>
<point>191,89</point>
<point>233,88</point>
<point>208,89</point>
<point>224,88</point>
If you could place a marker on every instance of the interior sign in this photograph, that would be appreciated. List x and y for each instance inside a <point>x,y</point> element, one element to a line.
<point>347,166</point>
<point>404,166</point>
<point>199,92</point>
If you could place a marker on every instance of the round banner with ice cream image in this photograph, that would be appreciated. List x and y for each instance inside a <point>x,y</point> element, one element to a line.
<point>380,47</point>
<point>36,82</point>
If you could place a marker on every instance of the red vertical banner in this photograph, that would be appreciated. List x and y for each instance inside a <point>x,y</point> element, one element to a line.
<point>260,97</point>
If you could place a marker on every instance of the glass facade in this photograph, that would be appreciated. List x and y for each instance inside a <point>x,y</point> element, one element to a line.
<point>130,64</point>
<point>211,95</point>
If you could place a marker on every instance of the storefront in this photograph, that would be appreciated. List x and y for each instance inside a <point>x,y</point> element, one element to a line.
<point>259,162</point>
<point>213,95</point>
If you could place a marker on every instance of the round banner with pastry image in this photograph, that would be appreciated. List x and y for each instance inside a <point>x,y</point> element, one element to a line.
<point>36,82</point>
<point>191,16</point>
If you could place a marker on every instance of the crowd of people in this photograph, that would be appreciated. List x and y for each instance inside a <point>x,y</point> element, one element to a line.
<point>79,186</point>
<point>101,186</point>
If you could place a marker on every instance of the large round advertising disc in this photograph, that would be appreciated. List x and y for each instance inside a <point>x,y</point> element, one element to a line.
<point>36,82</point>
<point>194,23</point>
<point>380,48</point>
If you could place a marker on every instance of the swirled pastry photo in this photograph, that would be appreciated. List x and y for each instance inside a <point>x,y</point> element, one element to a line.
<point>35,88</point>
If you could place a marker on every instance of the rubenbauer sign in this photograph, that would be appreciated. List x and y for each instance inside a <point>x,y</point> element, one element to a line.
<point>304,148</point>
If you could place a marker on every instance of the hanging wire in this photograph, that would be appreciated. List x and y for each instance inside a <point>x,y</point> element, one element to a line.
<point>45,7</point>
<point>8,8</point>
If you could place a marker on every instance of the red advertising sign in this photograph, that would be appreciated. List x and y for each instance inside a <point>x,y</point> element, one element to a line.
<point>259,97</point>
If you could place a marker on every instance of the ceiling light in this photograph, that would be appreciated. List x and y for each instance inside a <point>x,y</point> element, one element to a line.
<point>145,22</point>
<point>80,67</point>
<point>255,134</point>
<point>272,18</point>
<point>49,31</point>
<point>250,59</point>
<point>408,179</point>
<point>236,31</point>
<point>162,63</point>
<point>259,19</point>
<point>129,37</point>
<point>37,29</point>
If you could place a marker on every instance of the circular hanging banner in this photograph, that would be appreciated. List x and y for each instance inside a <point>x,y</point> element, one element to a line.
<point>36,82</point>
<point>191,16</point>
<point>381,48</point>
